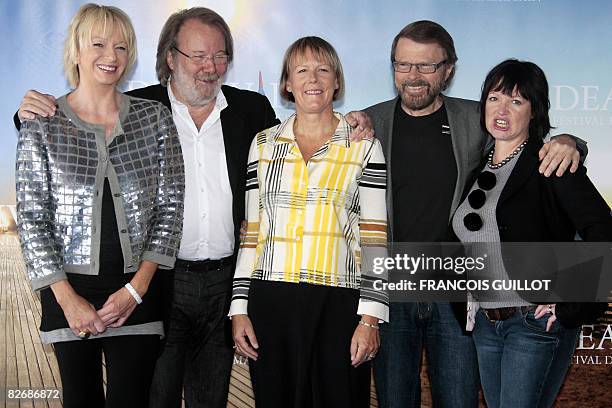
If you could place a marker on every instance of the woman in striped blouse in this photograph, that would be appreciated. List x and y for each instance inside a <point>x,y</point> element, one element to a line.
<point>303,310</point>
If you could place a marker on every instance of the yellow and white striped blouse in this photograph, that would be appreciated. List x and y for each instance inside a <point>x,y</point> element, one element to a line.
<point>308,222</point>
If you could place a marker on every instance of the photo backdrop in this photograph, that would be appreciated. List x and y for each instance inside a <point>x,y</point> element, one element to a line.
<point>570,40</point>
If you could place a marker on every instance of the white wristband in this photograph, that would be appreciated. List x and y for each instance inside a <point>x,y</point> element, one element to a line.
<point>133,292</point>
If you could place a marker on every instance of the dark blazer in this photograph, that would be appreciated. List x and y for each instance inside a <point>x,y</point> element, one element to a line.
<point>534,208</point>
<point>247,113</point>
<point>470,146</point>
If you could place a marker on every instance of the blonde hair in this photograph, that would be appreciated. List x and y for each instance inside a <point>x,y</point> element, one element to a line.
<point>323,51</point>
<point>87,19</point>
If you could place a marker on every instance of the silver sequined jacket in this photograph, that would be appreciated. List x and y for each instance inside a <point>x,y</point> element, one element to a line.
<point>61,165</point>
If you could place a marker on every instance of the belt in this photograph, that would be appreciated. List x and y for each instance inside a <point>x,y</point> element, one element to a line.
<point>205,265</point>
<point>503,313</point>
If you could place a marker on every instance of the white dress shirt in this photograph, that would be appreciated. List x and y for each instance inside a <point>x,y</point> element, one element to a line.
<point>208,226</point>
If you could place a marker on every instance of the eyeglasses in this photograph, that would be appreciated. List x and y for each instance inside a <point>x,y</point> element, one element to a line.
<point>405,67</point>
<point>217,59</point>
<point>486,181</point>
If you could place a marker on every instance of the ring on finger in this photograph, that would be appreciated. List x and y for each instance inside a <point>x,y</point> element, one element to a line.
<point>550,309</point>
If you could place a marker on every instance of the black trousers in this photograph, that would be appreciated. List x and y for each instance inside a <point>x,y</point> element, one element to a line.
<point>130,361</point>
<point>198,349</point>
<point>304,333</point>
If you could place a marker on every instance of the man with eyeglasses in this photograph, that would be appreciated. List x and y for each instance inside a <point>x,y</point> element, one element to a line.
<point>432,143</point>
<point>216,124</point>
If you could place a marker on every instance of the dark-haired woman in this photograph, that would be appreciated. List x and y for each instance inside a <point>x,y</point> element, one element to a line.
<point>524,349</point>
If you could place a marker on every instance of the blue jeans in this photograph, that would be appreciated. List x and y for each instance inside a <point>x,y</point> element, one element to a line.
<point>451,356</point>
<point>198,350</point>
<point>522,365</point>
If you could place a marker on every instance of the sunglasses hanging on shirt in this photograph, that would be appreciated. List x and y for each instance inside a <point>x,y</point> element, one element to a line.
<point>486,181</point>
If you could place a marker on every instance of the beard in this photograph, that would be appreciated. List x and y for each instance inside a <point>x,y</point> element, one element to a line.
<point>191,91</point>
<point>421,101</point>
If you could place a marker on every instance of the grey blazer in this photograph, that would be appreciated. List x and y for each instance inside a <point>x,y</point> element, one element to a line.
<point>470,143</point>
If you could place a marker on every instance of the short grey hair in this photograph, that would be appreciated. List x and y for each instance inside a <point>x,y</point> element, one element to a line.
<point>169,34</point>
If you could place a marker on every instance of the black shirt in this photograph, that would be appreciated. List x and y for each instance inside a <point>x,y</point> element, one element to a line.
<point>424,176</point>
<point>111,261</point>
<point>97,288</point>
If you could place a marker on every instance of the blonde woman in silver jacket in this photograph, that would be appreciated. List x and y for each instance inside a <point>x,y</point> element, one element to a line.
<point>99,208</point>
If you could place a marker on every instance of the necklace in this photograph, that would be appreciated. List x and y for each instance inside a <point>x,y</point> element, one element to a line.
<point>507,159</point>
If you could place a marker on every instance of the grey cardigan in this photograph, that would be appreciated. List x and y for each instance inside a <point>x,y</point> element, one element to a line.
<point>61,165</point>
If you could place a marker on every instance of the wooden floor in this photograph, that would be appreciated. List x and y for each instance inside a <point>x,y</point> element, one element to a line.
<point>25,363</point>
